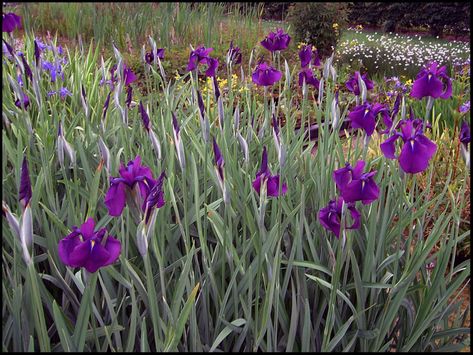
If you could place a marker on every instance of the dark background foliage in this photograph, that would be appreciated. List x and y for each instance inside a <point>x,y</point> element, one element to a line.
<point>437,17</point>
<point>452,18</point>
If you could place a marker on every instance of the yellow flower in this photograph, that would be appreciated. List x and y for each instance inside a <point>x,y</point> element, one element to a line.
<point>335,25</point>
<point>409,82</point>
<point>301,44</point>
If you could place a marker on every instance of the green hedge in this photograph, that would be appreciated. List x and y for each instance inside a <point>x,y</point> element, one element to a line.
<point>438,17</point>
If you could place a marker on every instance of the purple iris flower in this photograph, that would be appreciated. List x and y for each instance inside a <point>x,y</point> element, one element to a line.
<point>306,54</point>
<point>48,66</point>
<point>42,46</point>
<point>355,185</point>
<point>105,106</point>
<point>212,67</point>
<point>265,75</point>
<point>276,41</point>
<point>352,83</point>
<point>128,76</point>
<point>54,70</point>
<point>200,102</point>
<point>10,22</point>
<point>155,197</point>
<point>20,80</point>
<point>28,71</point>
<point>25,184</point>
<point>396,106</point>
<point>417,149</point>
<point>465,107</point>
<point>134,173</point>
<point>308,75</point>
<point>129,95</point>
<point>175,125</point>
<point>37,52</point>
<point>63,92</point>
<point>216,89</point>
<point>149,56</point>
<point>272,182</point>
<point>87,248</point>
<point>219,162</point>
<point>144,117</point>
<point>432,82</point>
<point>465,136</point>
<point>364,117</point>
<point>330,216</point>
<point>26,101</point>
<point>201,55</point>
<point>233,55</point>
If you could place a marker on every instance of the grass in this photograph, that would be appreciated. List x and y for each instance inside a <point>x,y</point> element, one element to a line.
<point>254,274</point>
<point>176,25</point>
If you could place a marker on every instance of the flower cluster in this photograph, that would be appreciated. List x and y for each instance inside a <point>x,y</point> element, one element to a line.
<point>134,185</point>
<point>87,248</point>
<point>416,150</point>
<point>353,83</point>
<point>128,77</point>
<point>276,41</point>
<point>353,185</point>
<point>63,93</point>
<point>150,56</point>
<point>201,56</point>
<point>401,53</point>
<point>364,117</point>
<point>432,81</point>
<point>11,22</point>
<point>308,57</point>
<point>265,75</point>
<point>264,178</point>
<point>233,55</point>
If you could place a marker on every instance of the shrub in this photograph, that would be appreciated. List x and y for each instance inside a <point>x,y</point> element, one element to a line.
<point>276,10</point>
<point>389,26</point>
<point>313,23</point>
<point>438,17</point>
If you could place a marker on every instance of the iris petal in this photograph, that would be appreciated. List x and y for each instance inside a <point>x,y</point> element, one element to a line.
<point>388,147</point>
<point>87,228</point>
<point>427,85</point>
<point>115,199</point>
<point>416,153</point>
<point>79,255</point>
<point>98,258</point>
<point>67,245</point>
<point>113,246</point>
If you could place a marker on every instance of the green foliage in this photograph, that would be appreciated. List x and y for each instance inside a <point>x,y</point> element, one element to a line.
<point>173,24</point>
<point>437,17</point>
<point>313,23</point>
<point>255,274</point>
<point>276,10</point>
